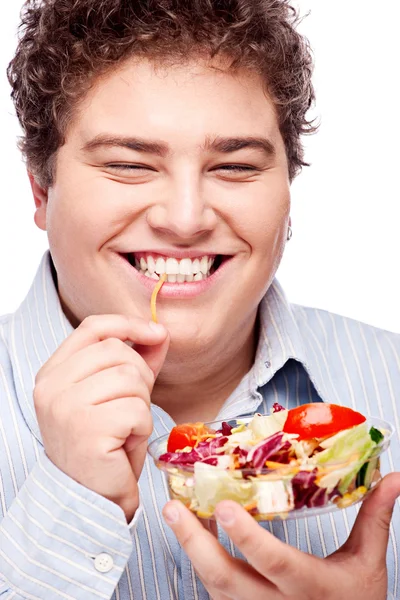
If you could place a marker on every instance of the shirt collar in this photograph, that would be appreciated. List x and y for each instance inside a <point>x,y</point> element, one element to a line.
<point>39,327</point>
<point>280,340</point>
<point>279,336</point>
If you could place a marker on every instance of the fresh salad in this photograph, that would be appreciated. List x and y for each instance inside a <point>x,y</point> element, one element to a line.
<point>310,456</point>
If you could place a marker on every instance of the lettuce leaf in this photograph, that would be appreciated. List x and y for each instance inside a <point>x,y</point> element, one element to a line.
<point>354,446</point>
<point>265,426</point>
<point>211,485</point>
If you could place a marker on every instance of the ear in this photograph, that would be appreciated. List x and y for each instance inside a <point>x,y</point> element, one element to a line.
<point>40,196</point>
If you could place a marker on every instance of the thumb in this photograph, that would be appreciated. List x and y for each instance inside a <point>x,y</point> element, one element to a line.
<point>154,354</point>
<point>370,534</point>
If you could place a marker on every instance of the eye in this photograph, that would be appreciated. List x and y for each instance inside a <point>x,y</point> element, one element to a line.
<point>237,168</point>
<point>239,173</point>
<point>129,167</point>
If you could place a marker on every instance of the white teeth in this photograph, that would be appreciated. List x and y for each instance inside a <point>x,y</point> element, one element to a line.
<point>196,266</point>
<point>204,265</point>
<point>160,266</point>
<point>151,264</point>
<point>185,266</point>
<point>185,270</point>
<point>171,266</point>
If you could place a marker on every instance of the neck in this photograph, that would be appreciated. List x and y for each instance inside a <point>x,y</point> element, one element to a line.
<point>194,386</point>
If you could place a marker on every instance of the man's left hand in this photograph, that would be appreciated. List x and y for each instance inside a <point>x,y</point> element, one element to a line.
<point>276,571</point>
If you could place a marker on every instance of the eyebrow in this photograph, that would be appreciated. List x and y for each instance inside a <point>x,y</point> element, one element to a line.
<point>228,145</point>
<point>225,145</point>
<point>136,144</point>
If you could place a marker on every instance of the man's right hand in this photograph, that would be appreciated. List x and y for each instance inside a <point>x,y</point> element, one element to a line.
<point>92,400</point>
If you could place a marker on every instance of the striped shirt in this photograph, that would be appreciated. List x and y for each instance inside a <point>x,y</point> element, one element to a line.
<point>60,540</point>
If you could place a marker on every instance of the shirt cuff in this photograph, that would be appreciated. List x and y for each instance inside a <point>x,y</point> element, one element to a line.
<point>62,540</point>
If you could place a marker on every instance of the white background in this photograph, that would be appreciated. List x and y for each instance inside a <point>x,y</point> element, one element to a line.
<point>345,251</point>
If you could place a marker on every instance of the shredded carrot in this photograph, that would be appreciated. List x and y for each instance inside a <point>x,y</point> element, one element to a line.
<point>203,436</point>
<point>274,465</point>
<point>250,506</point>
<point>236,461</point>
<point>160,283</point>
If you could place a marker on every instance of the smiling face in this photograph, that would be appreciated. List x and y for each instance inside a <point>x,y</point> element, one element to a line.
<point>185,163</point>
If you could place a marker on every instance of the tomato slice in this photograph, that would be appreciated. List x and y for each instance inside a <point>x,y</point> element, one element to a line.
<point>187,434</point>
<point>320,420</point>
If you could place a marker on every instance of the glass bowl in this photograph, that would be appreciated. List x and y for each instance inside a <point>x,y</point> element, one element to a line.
<point>280,493</point>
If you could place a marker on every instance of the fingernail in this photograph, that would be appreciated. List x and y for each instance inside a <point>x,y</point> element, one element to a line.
<point>225,516</point>
<point>156,327</point>
<point>171,514</point>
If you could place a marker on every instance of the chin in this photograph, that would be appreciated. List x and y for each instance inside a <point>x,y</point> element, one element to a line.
<point>188,333</point>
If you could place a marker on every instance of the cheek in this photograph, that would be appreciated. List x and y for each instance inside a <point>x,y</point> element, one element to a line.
<point>263,225</point>
<point>87,210</point>
<point>266,233</point>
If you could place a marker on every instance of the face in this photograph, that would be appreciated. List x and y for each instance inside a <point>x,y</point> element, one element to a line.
<point>179,170</point>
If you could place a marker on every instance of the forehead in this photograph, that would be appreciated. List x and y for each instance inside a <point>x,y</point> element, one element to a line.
<point>192,100</point>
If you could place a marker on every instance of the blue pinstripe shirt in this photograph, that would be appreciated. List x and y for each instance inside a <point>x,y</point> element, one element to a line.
<point>61,540</point>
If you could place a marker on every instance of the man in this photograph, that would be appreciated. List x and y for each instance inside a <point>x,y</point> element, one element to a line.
<point>162,137</point>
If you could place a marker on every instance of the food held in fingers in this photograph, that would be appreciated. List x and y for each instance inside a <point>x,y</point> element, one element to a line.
<point>153,301</point>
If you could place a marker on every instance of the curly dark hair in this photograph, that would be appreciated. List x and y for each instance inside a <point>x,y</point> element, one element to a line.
<point>65,45</point>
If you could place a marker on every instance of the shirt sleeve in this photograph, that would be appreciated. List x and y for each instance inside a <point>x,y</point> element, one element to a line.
<point>61,540</point>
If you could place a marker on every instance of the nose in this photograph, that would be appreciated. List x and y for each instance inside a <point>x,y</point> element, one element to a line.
<point>183,212</point>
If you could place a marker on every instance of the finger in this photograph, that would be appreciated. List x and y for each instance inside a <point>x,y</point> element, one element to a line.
<point>129,425</point>
<point>219,571</point>
<point>370,534</point>
<point>211,526</point>
<point>220,596</point>
<point>216,595</point>
<point>100,327</point>
<point>136,452</point>
<point>284,566</point>
<point>117,382</point>
<point>97,358</point>
<point>119,419</point>
<point>154,356</point>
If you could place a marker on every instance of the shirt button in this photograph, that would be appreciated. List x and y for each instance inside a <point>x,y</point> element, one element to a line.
<point>103,563</point>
